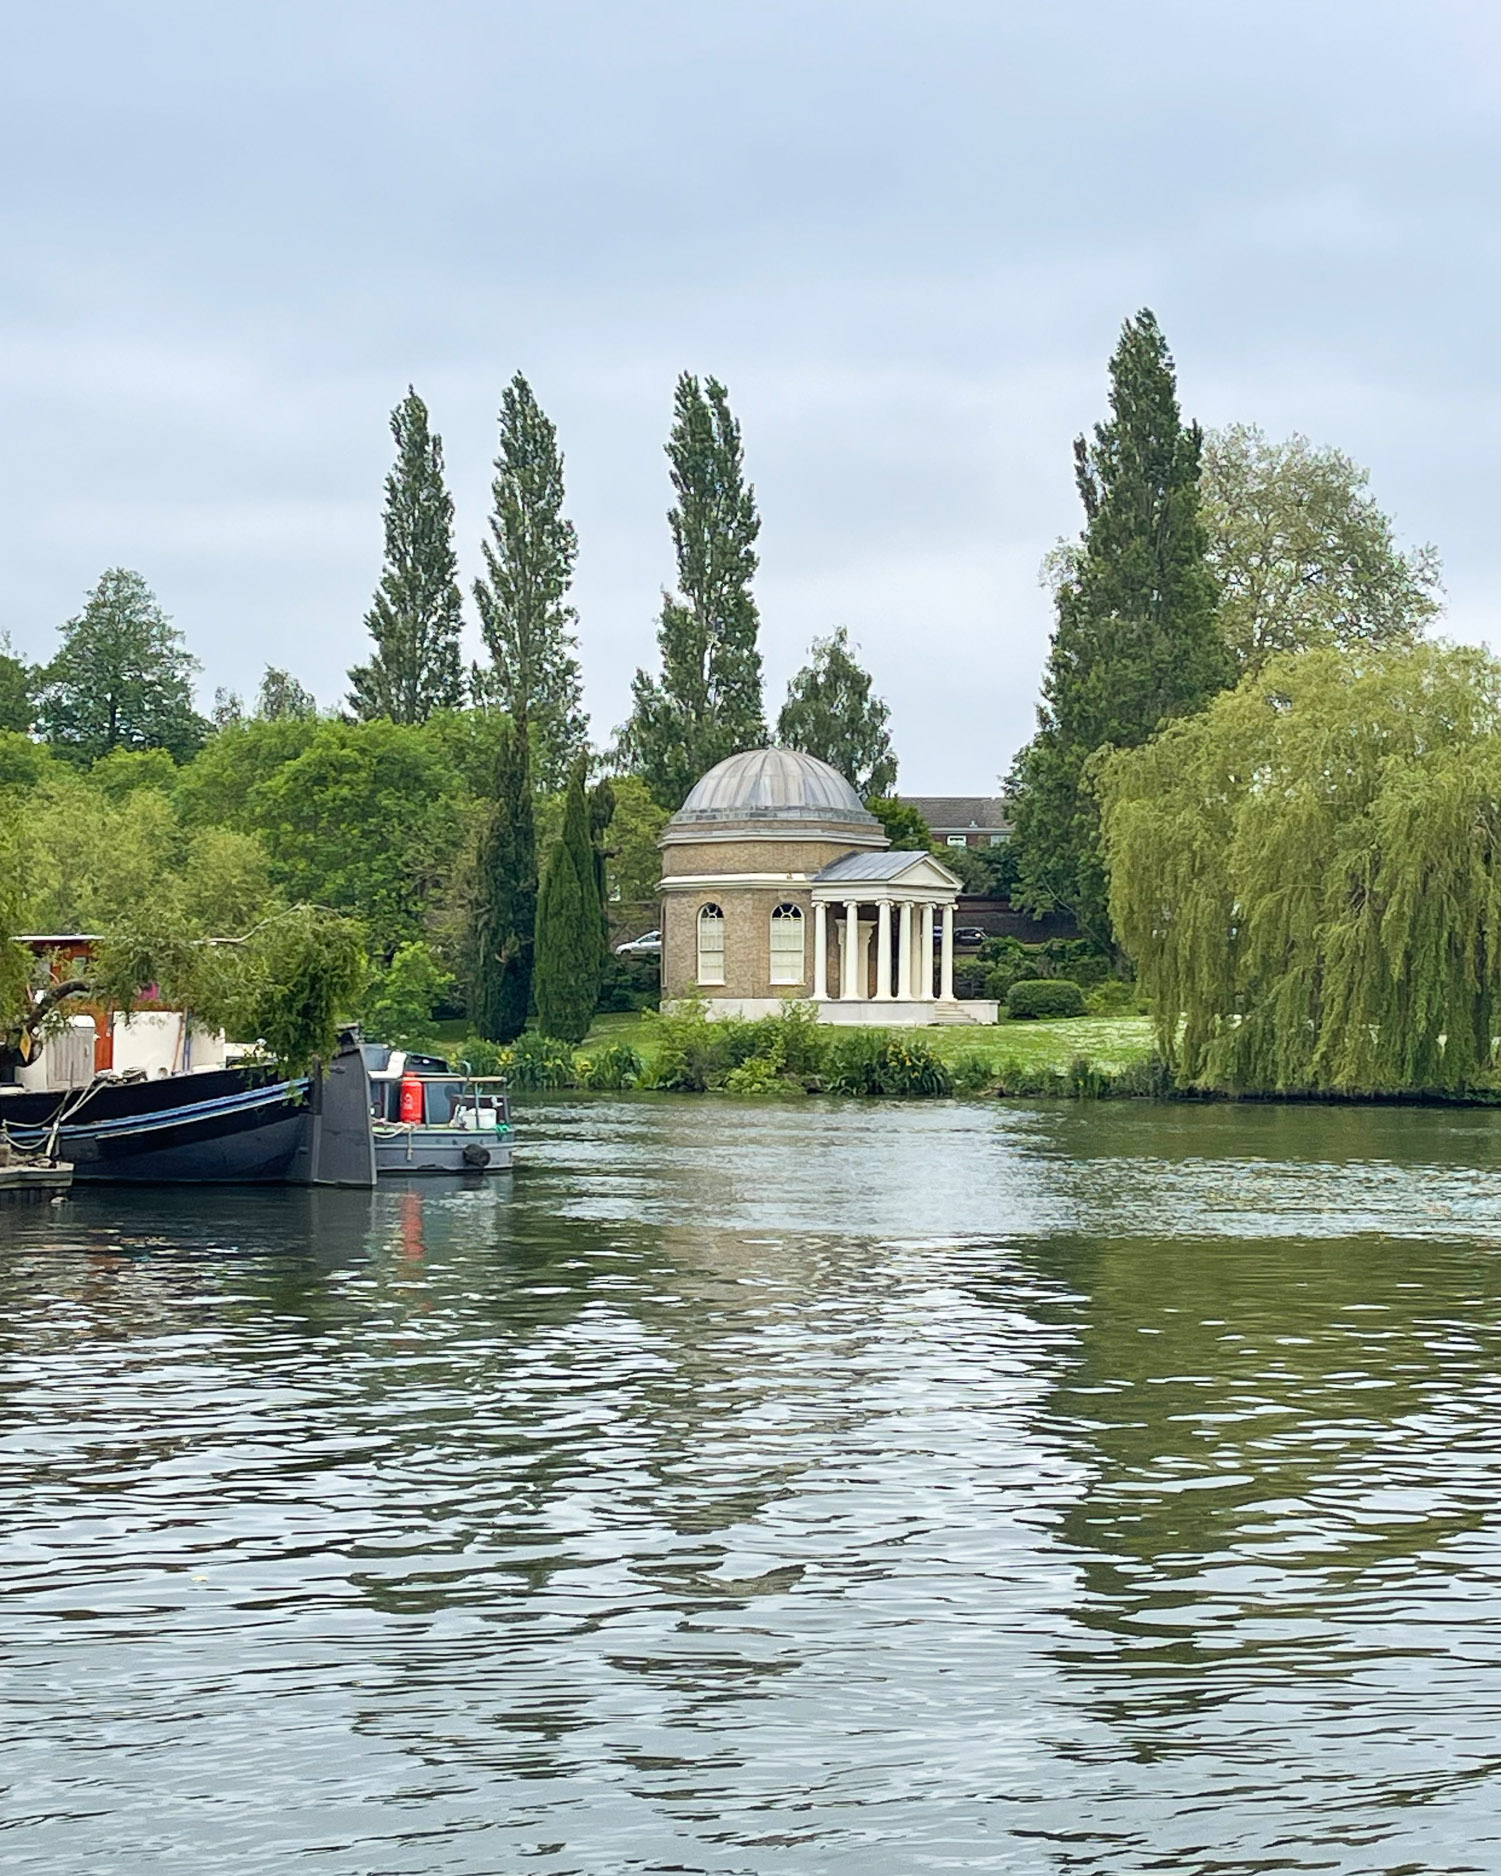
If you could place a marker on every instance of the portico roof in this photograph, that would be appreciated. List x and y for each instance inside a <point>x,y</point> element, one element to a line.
<point>887,869</point>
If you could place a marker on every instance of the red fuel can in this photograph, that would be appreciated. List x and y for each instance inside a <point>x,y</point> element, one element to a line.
<point>411,1100</point>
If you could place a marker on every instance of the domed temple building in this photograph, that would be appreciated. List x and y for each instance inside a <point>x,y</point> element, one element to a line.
<point>778,882</point>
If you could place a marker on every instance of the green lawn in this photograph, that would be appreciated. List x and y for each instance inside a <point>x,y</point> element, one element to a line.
<point>1107,1041</point>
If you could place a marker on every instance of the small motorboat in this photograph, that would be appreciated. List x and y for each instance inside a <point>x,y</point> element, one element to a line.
<point>430,1118</point>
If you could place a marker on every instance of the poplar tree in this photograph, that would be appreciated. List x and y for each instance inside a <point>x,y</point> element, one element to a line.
<point>830,713</point>
<point>1137,641</point>
<point>523,597</point>
<point>566,977</point>
<point>505,903</point>
<point>417,613</point>
<point>706,704</point>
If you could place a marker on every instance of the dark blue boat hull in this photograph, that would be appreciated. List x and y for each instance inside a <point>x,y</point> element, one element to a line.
<point>151,1132</point>
<point>226,1126</point>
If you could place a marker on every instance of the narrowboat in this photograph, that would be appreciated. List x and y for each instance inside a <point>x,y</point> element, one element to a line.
<point>427,1117</point>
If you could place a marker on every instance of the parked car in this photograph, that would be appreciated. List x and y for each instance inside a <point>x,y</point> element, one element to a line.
<point>969,936</point>
<point>648,945</point>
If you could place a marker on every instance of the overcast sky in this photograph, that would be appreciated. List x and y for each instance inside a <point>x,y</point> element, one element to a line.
<point>904,234</point>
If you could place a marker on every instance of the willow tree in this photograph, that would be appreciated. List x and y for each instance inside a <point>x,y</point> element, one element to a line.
<point>1309,874</point>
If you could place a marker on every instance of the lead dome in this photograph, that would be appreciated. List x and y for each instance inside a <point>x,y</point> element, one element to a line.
<point>773,785</point>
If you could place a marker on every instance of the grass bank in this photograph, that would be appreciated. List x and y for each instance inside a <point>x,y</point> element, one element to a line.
<point>1109,1042</point>
<point>791,1055</point>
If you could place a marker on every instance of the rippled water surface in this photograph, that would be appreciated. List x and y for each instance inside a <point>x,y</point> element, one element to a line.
<point>792,1490</point>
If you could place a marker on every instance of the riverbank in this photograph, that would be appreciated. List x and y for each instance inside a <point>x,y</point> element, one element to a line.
<point>793,1055</point>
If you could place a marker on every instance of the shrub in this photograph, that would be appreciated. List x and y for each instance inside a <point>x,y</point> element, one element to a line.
<point>692,1053</point>
<point>802,1040</point>
<point>485,1058</point>
<point>971,976</point>
<point>1079,958</point>
<point>610,1069</point>
<point>539,1061</point>
<point>1113,997</point>
<point>1028,1080</point>
<point>971,1073</point>
<point>628,984</point>
<point>757,1074</point>
<point>1045,996</point>
<point>1086,1080</point>
<point>874,1061</point>
<point>856,1062</point>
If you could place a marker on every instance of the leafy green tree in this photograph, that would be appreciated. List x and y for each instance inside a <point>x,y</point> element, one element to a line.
<point>566,978</point>
<point>1137,642</point>
<point>123,771</point>
<point>523,596</point>
<point>367,819</point>
<point>1303,555</point>
<point>122,677</point>
<point>905,828</point>
<point>281,698</point>
<point>1308,874</point>
<point>17,690</point>
<point>633,862</point>
<point>830,713</point>
<point>218,788</point>
<point>504,915</point>
<point>402,997</point>
<point>707,703</point>
<point>417,613</point>
<point>22,762</point>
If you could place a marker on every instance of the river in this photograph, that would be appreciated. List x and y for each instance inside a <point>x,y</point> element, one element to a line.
<point>789,1490</point>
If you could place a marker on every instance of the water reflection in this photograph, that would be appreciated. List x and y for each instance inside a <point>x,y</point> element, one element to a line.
<point>793,1489</point>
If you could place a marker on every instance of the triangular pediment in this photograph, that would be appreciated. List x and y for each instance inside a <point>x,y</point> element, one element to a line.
<point>912,870</point>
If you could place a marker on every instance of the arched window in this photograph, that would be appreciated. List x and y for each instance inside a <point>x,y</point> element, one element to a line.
<point>710,945</point>
<point>787,945</point>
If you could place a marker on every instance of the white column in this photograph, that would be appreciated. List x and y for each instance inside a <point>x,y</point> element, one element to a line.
<point>851,991</point>
<point>820,952</point>
<point>883,951</point>
<point>946,964</point>
<point>904,953</point>
<point>925,959</point>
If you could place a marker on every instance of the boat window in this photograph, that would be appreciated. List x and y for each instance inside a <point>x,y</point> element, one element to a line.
<point>441,1099</point>
<point>787,945</point>
<point>710,945</point>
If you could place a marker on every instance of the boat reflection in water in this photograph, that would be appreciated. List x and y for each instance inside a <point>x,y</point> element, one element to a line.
<point>429,1118</point>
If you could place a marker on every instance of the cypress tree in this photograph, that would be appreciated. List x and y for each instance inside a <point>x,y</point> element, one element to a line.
<point>1137,641</point>
<point>417,612</point>
<point>601,814</point>
<point>707,703</point>
<point>830,713</point>
<point>505,908</point>
<point>566,978</point>
<point>523,597</point>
